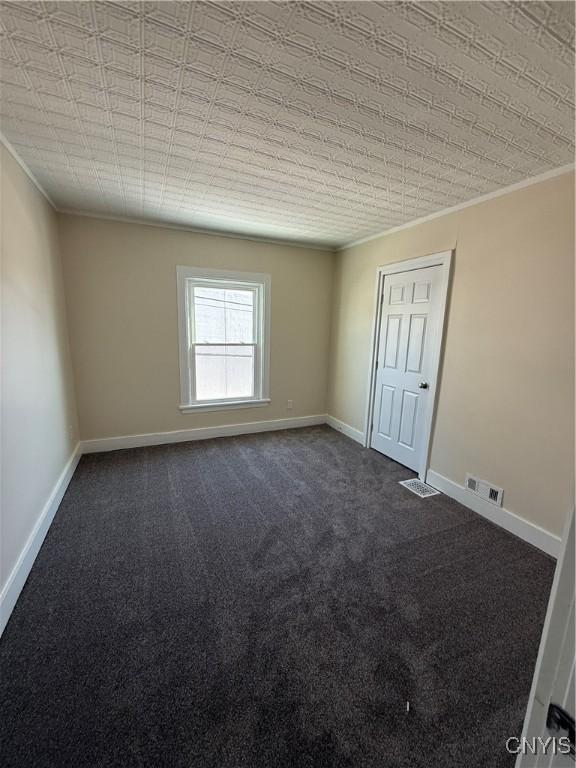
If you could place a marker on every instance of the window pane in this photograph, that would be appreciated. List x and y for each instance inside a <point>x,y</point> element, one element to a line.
<point>224,372</point>
<point>223,316</point>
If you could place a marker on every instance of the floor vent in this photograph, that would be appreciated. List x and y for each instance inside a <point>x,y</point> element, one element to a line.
<point>419,488</point>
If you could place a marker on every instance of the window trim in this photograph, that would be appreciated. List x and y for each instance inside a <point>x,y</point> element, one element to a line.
<point>262,282</point>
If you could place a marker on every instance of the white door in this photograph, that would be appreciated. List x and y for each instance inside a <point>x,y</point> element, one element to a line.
<point>406,363</point>
<point>552,698</point>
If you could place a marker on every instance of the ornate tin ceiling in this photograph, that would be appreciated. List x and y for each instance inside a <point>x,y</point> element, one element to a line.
<point>320,122</point>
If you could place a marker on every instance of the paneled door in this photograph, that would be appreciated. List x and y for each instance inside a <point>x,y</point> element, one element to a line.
<point>411,315</point>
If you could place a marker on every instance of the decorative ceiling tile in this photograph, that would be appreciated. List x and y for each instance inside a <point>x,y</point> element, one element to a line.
<point>321,122</point>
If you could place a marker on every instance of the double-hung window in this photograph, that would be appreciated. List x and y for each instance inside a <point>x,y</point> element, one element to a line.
<point>223,333</point>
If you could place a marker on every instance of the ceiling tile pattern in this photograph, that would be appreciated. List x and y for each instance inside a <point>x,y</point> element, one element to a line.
<point>321,122</point>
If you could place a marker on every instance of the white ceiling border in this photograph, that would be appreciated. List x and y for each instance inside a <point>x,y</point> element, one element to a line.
<point>295,243</point>
<point>313,246</point>
<point>155,223</point>
<point>475,201</point>
<point>10,149</point>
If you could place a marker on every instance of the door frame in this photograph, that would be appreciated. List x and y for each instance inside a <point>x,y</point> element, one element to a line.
<point>551,645</point>
<point>443,260</point>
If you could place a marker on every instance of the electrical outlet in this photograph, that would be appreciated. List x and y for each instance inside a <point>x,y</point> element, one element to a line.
<point>290,405</point>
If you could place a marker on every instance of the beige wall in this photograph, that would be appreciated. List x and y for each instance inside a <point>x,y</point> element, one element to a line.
<point>505,409</point>
<point>506,398</point>
<point>121,293</point>
<point>38,426</point>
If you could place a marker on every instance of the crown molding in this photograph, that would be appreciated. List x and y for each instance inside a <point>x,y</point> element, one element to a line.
<point>279,241</point>
<point>314,246</point>
<point>468,204</point>
<point>10,149</point>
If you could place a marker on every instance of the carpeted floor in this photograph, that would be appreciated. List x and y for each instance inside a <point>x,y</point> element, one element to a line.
<point>267,601</point>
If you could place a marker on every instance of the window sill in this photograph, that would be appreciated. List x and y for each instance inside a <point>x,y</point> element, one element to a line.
<point>227,405</point>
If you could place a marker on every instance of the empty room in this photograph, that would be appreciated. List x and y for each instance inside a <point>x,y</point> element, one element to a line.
<point>287,384</point>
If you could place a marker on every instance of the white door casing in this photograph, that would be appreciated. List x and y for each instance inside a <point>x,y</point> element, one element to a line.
<point>406,354</point>
<point>555,674</point>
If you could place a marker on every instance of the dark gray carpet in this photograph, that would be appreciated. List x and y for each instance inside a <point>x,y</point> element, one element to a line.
<point>268,600</point>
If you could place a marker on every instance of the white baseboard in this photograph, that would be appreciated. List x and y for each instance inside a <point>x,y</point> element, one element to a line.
<point>346,429</point>
<point>19,574</point>
<point>200,433</point>
<point>524,529</point>
<point>539,537</point>
<point>17,578</point>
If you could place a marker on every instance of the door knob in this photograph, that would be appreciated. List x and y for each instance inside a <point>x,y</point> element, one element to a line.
<point>423,385</point>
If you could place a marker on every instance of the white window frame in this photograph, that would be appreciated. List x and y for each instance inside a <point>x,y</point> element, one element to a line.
<point>260,283</point>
